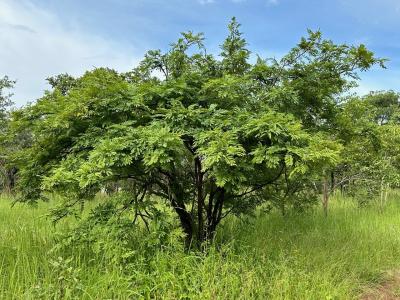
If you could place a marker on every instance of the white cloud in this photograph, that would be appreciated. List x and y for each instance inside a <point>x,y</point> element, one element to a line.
<point>35,45</point>
<point>203,2</point>
<point>272,2</point>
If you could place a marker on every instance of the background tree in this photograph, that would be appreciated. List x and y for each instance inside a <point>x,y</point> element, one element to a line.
<point>5,100</point>
<point>368,127</point>
<point>7,173</point>
<point>62,83</point>
<point>308,83</point>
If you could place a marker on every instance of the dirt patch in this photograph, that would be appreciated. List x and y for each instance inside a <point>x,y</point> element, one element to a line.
<point>387,290</point>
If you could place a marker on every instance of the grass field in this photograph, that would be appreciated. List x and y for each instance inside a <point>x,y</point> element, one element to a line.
<point>303,256</point>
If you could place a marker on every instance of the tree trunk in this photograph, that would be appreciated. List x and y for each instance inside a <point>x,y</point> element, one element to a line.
<point>325,196</point>
<point>9,183</point>
<point>198,224</point>
<point>216,213</point>
<point>187,225</point>
<point>177,196</point>
<point>383,194</point>
<point>386,192</point>
<point>200,201</point>
<point>283,208</point>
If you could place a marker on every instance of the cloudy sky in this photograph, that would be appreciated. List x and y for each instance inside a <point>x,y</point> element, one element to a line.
<point>40,38</point>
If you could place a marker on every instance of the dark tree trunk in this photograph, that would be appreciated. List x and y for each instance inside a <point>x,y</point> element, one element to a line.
<point>187,225</point>
<point>199,223</point>
<point>185,218</point>
<point>325,196</point>
<point>200,201</point>
<point>215,212</point>
<point>283,208</point>
<point>10,180</point>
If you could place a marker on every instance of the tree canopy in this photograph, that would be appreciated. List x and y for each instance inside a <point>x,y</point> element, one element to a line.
<point>7,173</point>
<point>5,99</point>
<point>368,127</point>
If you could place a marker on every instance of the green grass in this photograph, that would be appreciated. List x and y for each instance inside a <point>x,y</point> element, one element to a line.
<point>303,256</point>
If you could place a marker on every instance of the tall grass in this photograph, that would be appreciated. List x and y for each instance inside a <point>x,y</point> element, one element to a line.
<point>303,256</point>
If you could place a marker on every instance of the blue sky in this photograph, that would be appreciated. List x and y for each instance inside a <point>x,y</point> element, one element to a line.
<point>40,38</point>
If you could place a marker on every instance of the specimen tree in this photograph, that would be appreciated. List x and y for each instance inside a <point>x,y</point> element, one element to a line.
<point>207,136</point>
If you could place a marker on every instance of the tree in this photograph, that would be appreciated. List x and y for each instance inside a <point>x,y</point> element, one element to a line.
<point>5,99</point>
<point>7,173</point>
<point>62,82</point>
<point>308,81</point>
<point>369,130</point>
<point>385,106</point>
<point>207,137</point>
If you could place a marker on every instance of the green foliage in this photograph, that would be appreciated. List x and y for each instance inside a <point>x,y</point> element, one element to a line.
<point>66,283</point>
<point>5,100</point>
<point>369,130</point>
<point>62,83</point>
<point>234,53</point>
<point>307,81</point>
<point>111,232</point>
<point>7,172</point>
<point>385,106</point>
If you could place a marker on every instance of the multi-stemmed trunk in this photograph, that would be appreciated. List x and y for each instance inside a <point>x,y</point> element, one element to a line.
<point>199,221</point>
<point>200,224</point>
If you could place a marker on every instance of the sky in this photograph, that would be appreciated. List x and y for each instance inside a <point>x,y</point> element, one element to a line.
<point>42,38</point>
